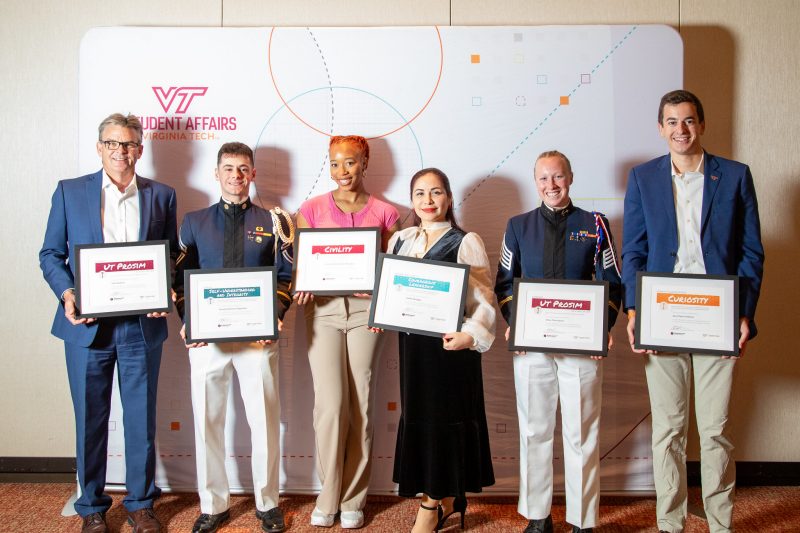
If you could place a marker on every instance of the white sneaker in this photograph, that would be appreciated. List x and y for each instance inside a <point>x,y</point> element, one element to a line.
<point>320,519</point>
<point>352,519</point>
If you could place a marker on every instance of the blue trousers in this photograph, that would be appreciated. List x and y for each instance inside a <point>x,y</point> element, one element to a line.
<point>119,343</point>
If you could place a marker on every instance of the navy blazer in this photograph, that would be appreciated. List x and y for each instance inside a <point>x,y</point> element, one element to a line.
<point>729,227</point>
<point>523,249</point>
<point>75,219</point>
<point>202,245</point>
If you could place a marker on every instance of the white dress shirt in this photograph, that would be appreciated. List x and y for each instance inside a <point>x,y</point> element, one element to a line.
<point>687,188</point>
<point>119,211</point>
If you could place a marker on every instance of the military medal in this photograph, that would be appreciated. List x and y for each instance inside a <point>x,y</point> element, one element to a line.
<point>258,234</point>
<point>581,235</point>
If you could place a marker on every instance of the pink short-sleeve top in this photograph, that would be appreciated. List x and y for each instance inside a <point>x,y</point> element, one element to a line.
<point>322,212</point>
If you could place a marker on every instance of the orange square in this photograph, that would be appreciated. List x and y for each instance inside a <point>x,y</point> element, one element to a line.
<point>475,58</point>
<point>175,426</point>
<point>564,100</point>
<point>391,406</point>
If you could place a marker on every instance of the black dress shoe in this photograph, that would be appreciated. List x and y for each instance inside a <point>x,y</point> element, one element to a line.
<point>272,520</point>
<point>576,529</point>
<point>544,525</point>
<point>209,523</point>
<point>94,523</point>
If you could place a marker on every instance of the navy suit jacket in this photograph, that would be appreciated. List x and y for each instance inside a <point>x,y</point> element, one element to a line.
<point>75,219</point>
<point>729,227</point>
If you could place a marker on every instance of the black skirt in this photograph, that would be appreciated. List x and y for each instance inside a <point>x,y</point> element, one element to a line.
<point>442,439</point>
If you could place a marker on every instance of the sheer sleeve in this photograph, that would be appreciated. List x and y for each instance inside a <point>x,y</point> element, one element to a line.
<point>479,314</point>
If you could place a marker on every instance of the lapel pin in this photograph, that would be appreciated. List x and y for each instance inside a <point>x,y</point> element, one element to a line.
<point>714,178</point>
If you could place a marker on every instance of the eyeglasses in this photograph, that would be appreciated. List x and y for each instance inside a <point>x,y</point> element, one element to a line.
<point>113,145</point>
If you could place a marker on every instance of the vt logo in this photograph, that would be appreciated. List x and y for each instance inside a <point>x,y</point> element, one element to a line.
<point>184,96</point>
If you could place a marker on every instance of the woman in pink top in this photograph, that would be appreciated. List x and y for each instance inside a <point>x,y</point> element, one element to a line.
<point>342,352</point>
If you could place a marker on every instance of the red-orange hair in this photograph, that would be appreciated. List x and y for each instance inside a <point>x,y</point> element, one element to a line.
<point>356,140</point>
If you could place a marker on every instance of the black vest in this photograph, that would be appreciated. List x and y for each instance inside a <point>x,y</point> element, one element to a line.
<point>445,249</point>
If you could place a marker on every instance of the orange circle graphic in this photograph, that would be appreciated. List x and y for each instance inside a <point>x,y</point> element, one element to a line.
<point>409,121</point>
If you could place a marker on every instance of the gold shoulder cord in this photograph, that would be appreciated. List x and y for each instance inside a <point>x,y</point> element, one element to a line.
<point>281,218</point>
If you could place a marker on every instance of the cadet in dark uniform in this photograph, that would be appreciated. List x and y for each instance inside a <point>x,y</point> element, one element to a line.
<point>558,241</point>
<point>236,233</point>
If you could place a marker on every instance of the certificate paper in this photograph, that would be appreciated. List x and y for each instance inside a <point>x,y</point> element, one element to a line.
<point>335,261</point>
<point>559,316</point>
<point>418,295</point>
<point>127,278</point>
<point>230,304</point>
<point>687,313</point>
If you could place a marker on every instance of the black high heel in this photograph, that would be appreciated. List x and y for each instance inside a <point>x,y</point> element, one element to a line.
<point>459,506</point>
<point>438,510</point>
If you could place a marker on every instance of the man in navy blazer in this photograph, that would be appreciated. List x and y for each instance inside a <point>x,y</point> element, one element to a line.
<point>696,213</point>
<point>111,205</point>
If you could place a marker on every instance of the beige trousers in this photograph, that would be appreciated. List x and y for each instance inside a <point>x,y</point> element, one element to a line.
<point>343,356</point>
<point>669,381</point>
<point>256,368</point>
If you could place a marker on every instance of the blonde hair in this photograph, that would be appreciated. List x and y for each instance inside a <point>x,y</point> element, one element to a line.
<point>555,153</point>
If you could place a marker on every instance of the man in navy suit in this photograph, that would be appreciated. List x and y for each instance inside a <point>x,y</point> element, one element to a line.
<point>691,212</point>
<point>110,205</point>
<point>234,233</point>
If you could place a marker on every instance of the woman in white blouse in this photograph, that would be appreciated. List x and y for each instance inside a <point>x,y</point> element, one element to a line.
<point>442,440</point>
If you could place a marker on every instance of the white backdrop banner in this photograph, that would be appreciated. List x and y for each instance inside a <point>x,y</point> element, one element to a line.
<point>478,102</point>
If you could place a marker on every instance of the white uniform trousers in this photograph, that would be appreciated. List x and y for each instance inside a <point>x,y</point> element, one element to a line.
<point>669,382</point>
<point>541,380</point>
<point>257,371</point>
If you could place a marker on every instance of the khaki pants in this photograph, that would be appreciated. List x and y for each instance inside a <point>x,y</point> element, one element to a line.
<point>343,356</point>
<point>669,381</point>
<point>256,367</point>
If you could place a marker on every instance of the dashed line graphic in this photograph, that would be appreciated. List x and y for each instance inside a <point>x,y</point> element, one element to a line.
<point>543,121</point>
<point>333,112</point>
<point>327,73</point>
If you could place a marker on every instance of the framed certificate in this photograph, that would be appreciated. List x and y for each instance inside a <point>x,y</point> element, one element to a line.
<point>559,316</point>
<point>125,278</point>
<point>418,295</point>
<point>230,304</point>
<point>687,313</point>
<point>335,261</point>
